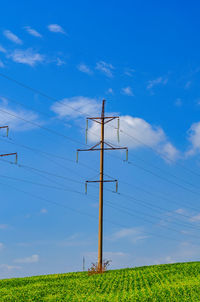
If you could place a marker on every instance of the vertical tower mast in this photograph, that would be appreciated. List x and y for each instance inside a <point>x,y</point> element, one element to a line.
<point>102,121</point>
<point>100,238</point>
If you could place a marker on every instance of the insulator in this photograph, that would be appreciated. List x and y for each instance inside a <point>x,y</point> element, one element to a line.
<point>127,154</point>
<point>86,188</point>
<point>7,131</point>
<point>86,132</point>
<point>16,158</point>
<point>118,130</point>
<point>77,156</point>
<point>116,186</point>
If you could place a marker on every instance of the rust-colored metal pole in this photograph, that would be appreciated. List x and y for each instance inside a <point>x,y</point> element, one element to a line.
<point>100,238</point>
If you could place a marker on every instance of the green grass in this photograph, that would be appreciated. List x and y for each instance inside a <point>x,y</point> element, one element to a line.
<point>170,282</point>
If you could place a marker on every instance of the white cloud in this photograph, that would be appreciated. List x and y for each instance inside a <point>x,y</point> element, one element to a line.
<point>33,32</point>
<point>17,119</point>
<point>169,151</point>
<point>105,68</point>
<point>12,37</point>
<point>2,49</point>
<point>157,81</point>
<point>1,246</point>
<point>28,57</point>
<point>129,72</point>
<point>127,91</point>
<point>1,64</point>
<point>194,138</point>
<point>56,28</point>
<point>195,218</point>
<point>60,62</point>
<point>43,211</point>
<point>180,211</point>
<point>110,91</point>
<point>76,107</point>
<point>136,133</point>
<point>178,102</point>
<point>7,267</point>
<point>84,68</point>
<point>31,259</point>
<point>132,234</point>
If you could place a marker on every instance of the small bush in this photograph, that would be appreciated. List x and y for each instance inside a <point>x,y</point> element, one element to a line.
<point>95,270</point>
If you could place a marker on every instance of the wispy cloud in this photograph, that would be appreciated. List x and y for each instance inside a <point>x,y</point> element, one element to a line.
<point>194,139</point>
<point>127,91</point>
<point>132,234</point>
<point>180,211</point>
<point>105,68</point>
<point>17,118</point>
<point>31,259</point>
<point>160,80</point>
<point>2,49</point>
<point>178,102</point>
<point>110,91</point>
<point>12,37</point>
<point>6,267</point>
<point>76,107</point>
<point>43,211</point>
<point>33,32</point>
<point>129,72</point>
<point>195,218</point>
<point>60,62</point>
<point>55,28</point>
<point>84,68</point>
<point>28,57</point>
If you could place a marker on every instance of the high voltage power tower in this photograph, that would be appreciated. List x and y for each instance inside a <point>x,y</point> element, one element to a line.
<point>8,154</point>
<point>102,121</point>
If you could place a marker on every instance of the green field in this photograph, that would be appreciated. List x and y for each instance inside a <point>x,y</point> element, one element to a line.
<point>170,282</point>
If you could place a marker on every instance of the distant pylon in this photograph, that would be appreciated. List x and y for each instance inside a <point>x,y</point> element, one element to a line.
<point>102,121</point>
<point>8,154</point>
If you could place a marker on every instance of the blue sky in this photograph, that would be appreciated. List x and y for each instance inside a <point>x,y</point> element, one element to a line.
<point>143,58</point>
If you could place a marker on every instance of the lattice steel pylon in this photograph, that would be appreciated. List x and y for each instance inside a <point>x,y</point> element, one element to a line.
<point>102,121</point>
<point>8,154</point>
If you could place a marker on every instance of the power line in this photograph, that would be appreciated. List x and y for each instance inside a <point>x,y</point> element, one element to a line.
<point>127,211</point>
<point>48,173</point>
<point>72,180</point>
<point>52,155</point>
<point>57,133</point>
<point>77,110</point>
<point>81,112</point>
<point>158,209</point>
<point>81,212</point>
<point>75,191</point>
<point>160,177</point>
<point>40,126</point>
<point>70,160</point>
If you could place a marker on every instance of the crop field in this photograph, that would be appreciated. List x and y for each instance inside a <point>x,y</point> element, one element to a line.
<point>170,282</point>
